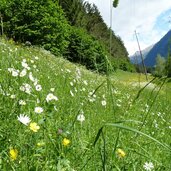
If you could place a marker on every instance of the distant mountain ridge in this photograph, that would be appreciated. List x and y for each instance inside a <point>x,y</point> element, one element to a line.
<point>160,48</point>
<point>150,53</point>
<point>136,57</point>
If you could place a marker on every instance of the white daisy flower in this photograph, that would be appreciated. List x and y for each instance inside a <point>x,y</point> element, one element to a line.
<point>38,110</point>
<point>15,73</point>
<point>81,117</point>
<point>83,89</point>
<point>24,119</point>
<point>34,66</point>
<point>26,88</point>
<point>22,102</point>
<point>24,60</point>
<point>103,103</point>
<point>38,87</point>
<point>148,166</point>
<point>36,58</point>
<point>31,77</point>
<point>10,70</point>
<point>22,88</point>
<point>24,65</point>
<point>23,73</point>
<point>12,96</point>
<point>52,89</point>
<point>51,97</point>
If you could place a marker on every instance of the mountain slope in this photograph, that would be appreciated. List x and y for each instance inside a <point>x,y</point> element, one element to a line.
<point>162,48</point>
<point>136,58</point>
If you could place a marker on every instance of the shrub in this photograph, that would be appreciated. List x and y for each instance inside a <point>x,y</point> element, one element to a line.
<point>86,50</point>
<point>39,22</point>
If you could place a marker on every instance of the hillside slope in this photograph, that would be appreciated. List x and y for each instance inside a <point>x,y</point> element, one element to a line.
<point>162,47</point>
<point>59,116</point>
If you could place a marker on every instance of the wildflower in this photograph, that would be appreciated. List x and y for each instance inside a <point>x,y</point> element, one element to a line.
<point>41,144</point>
<point>75,89</point>
<point>24,60</point>
<point>34,127</point>
<point>51,97</point>
<point>81,117</point>
<point>52,89</point>
<point>23,73</point>
<point>24,64</point>
<point>13,153</point>
<point>31,77</point>
<point>15,73</point>
<point>10,70</point>
<point>32,61</point>
<point>83,89</point>
<point>36,58</point>
<point>38,110</point>
<point>22,102</point>
<point>12,96</point>
<point>117,104</point>
<point>67,70</point>
<point>66,142</point>
<point>34,66</point>
<point>85,82</point>
<point>26,88</point>
<point>148,166</point>
<point>24,119</point>
<point>71,83</point>
<point>120,153</point>
<point>38,87</point>
<point>103,103</point>
<point>72,94</point>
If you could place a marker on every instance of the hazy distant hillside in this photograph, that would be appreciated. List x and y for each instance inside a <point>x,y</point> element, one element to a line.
<point>151,52</point>
<point>136,58</point>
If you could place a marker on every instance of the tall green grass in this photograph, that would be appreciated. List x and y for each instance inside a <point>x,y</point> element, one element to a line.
<point>117,115</point>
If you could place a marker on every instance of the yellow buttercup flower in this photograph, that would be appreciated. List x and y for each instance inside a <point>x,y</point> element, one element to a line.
<point>120,153</point>
<point>13,154</point>
<point>34,127</point>
<point>66,142</point>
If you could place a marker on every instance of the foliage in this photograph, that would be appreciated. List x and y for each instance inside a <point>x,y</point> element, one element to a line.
<point>86,50</point>
<point>125,65</point>
<point>87,16</point>
<point>168,66</point>
<point>160,67</point>
<point>44,23</point>
<point>115,3</point>
<point>39,22</point>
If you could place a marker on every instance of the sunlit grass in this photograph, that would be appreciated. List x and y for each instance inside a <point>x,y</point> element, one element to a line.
<point>52,113</point>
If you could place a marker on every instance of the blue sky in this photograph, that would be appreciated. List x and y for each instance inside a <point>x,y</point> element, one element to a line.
<point>148,17</point>
<point>163,21</point>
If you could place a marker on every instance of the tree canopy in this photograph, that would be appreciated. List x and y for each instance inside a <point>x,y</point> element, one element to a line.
<point>72,28</point>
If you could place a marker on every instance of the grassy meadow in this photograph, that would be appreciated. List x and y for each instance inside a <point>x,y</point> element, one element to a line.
<point>58,116</point>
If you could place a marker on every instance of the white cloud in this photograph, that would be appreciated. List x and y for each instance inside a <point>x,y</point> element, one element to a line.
<point>134,15</point>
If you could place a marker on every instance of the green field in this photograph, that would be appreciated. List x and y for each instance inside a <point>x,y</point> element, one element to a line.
<point>56,115</point>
